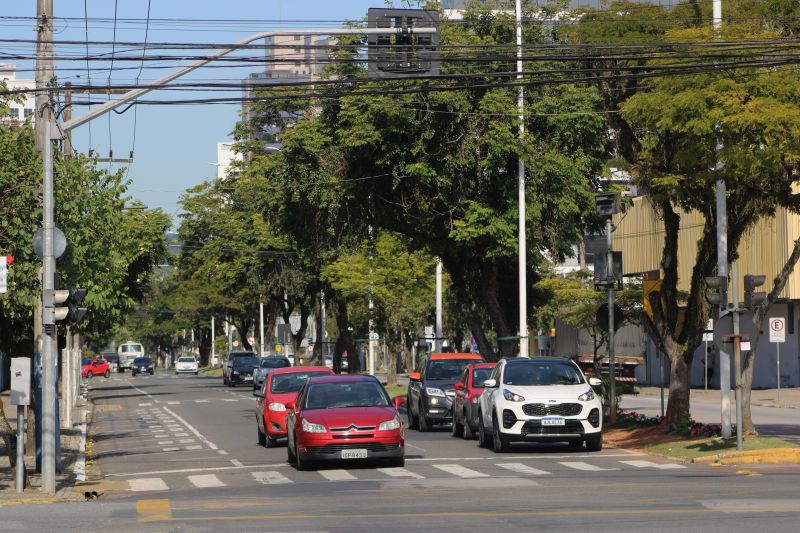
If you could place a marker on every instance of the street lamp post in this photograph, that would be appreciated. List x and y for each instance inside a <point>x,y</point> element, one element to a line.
<point>523,276</point>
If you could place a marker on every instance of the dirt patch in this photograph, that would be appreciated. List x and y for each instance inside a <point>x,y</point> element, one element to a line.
<point>637,438</point>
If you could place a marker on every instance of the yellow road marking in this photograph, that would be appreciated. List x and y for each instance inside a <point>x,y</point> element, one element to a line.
<point>108,408</point>
<point>154,510</point>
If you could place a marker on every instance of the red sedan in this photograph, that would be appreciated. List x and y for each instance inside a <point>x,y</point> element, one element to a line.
<point>279,388</point>
<point>465,405</point>
<point>96,367</point>
<point>344,418</point>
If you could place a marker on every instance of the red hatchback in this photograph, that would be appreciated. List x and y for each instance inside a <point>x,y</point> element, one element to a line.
<point>279,388</point>
<point>343,418</point>
<point>96,367</point>
<point>468,390</point>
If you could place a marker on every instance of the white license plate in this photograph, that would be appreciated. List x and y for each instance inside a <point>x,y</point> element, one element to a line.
<point>553,421</point>
<point>248,378</point>
<point>354,454</point>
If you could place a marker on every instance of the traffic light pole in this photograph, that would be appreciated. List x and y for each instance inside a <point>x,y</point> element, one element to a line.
<point>737,352</point>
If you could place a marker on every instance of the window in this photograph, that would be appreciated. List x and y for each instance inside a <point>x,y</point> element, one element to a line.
<point>28,112</point>
<point>479,375</point>
<point>285,383</point>
<point>345,394</point>
<point>449,369</point>
<point>15,112</point>
<point>542,373</point>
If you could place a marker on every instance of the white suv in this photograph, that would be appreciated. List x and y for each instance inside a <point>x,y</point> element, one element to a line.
<point>539,400</point>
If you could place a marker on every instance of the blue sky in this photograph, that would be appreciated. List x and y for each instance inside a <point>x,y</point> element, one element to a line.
<point>174,144</point>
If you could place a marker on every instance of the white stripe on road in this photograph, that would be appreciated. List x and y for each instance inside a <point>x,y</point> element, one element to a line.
<point>144,404</point>
<point>195,447</point>
<point>236,462</point>
<point>192,429</point>
<point>648,464</point>
<point>165,442</point>
<point>460,471</point>
<point>171,449</point>
<point>173,403</point>
<point>399,472</point>
<point>147,484</point>
<point>205,481</point>
<point>230,400</point>
<point>201,401</point>
<point>336,475</point>
<point>586,467</point>
<point>270,478</point>
<point>520,468</point>
<point>186,441</point>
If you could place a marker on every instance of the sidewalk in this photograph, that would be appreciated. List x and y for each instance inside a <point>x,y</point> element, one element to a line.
<point>71,456</point>
<point>790,398</point>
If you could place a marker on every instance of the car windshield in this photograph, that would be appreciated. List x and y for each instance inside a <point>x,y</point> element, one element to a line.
<point>479,375</point>
<point>450,369</point>
<point>274,362</point>
<point>342,394</point>
<point>284,383</point>
<point>186,359</point>
<point>542,373</point>
<point>131,348</point>
<point>248,362</point>
<point>142,361</point>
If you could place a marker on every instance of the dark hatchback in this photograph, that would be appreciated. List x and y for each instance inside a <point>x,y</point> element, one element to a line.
<point>143,365</point>
<point>242,370</point>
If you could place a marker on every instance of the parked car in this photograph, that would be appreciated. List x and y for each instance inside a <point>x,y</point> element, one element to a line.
<point>539,400</point>
<point>186,364</point>
<point>465,405</point>
<point>227,365</point>
<point>143,365</point>
<point>127,352</point>
<point>344,418</point>
<point>431,391</point>
<point>113,360</point>
<point>280,388</point>
<point>265,366</point>
<point>95,367</point>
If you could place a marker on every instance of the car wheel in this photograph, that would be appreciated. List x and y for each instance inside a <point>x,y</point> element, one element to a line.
<point>300,462</point>
<point>594,444</point>
<point>196,373</point>
<point>397,462</point>
<point>152,372</point>
<point>484,439</point>
<point>262,438</point>
<point>89,374</point>
<point>458,428</point>
<point>499,443</point>
<point>413,421</point>
<point>107,374</point>
<point>468,434</point>
<point>424,422</point>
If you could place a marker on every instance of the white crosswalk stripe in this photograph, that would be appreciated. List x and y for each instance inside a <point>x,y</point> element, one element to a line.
<point>337,475</point>
<point>399,472</point>
<point>206,481</point>
<point>579,465</point>
<point>147,484</point>
<point>648,464</point>
<point>270,478</point>
<point>520,468</point>
<point>460,471</point>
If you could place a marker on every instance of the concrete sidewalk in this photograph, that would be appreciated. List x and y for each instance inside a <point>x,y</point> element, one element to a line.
<point>789,398</point>
<point>71,457</point>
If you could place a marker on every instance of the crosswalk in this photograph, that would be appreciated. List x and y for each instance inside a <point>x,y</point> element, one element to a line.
<point>417,472</point>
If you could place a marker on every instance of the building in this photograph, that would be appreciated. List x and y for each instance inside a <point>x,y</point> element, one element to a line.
<point>225,157</point>
<point>19,111</point>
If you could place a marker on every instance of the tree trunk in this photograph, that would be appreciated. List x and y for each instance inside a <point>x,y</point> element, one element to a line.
<point>678,406</point>
<point>346,336</point>
<point>297,338</point>
<point>468,307</point>
<point>205,346</point>
<point>243,327</point>
<point>497,313</point>
<point>391,372</point>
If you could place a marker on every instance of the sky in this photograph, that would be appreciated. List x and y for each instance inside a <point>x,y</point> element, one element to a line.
<point>175,146</point>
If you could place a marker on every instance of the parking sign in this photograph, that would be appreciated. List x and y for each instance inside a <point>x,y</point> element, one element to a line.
<point>777,329</point>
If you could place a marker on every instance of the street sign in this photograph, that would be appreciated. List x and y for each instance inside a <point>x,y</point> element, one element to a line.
<point>777,329</point>
<point>708,334</point>
<point>374,336</point>
<point>59,243</point>
<point>723,329</point>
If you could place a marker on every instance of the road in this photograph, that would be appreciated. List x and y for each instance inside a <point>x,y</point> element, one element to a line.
<point>179,453</point>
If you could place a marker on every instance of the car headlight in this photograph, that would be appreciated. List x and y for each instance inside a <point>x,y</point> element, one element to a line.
<point>512,397</point>
<point>389,425</point>
<point>277,407</point>
<point>433,391</point>
<point>587,396</point>
<point>311,427</point>
<point>235,373</point>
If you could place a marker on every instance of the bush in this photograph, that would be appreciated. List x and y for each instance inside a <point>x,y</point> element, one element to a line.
<point>636,420</point>
<point>695,430</point>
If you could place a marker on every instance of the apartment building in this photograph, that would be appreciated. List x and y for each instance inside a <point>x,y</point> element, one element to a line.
<point>19,111</point>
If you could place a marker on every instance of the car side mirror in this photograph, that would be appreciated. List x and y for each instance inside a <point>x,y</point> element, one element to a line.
<point>595,382</point>
<point>414,376</point>
<point>398,401</point>
<point>490,383</point>
<point>290,405</point>
<point>459,386</point>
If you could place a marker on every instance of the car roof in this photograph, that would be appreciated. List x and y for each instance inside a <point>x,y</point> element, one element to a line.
<point>482,365</point>
<point>240,352</point>
<point>526,360</point>
<point>297,369</point>
<point>344,379</point>
<point>441,356</point>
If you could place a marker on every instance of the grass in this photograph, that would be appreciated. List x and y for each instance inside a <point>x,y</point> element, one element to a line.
<point>692,448</point>
<point>210,371</point>
<point>396,390</point>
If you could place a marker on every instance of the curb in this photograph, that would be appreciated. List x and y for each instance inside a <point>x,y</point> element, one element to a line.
<point>768,456</point>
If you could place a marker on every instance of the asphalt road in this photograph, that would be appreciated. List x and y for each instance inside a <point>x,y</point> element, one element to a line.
<point>179,453</point>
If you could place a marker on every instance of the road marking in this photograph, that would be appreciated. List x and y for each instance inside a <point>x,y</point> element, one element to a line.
<point>165,442</point>
<point>196,447</point>
<point>648,464</point>
<point>222,452</point>
<point>522,469</point>
<point>181,434</point>
<point>201,401</point>
<point>173,403</point>
<point>229,400</point>
<point>399,472</point>
<point>460,471</point>
<point>153,510</point>
<point>206,481</point>
<point>336,475</point>
<point>586,467</point>
<point>547,458</point>
<point>161,436</point>
<point>144,404</point>
<point>186,470</point>
<point>192,429</point>
<point>270,478</point>
<point>236,462</point>
<point>147,484</point>
<point>186,441</point>
<point>171,449</point>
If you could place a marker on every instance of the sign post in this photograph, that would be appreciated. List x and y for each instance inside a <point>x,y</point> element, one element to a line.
<point>708,335</point>
<point>777,334</point>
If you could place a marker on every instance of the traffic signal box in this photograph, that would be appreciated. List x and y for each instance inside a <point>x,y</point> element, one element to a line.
<point>717,293</point>
<point>69,300</point>
<point>752,298</point>
<point>405,53</point>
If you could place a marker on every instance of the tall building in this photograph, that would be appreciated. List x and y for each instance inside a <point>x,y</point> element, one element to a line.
<point>19,111</point>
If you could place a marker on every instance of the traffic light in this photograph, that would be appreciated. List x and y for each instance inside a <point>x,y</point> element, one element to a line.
<point>751,297</point>
<point>607,203</point>
<point>72,298</point>
<point>404,53</point>
<point>717,293</point>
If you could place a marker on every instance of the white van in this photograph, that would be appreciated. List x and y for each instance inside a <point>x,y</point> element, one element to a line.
<point>128,351</point>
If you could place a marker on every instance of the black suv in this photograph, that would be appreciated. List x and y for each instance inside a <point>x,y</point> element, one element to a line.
<point>431,391</point>
<point>241,370</point>
<point>143,365</point>
<point>227,365</point>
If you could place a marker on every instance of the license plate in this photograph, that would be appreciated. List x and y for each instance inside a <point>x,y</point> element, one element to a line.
<point>248,378</point>
<point>553,421</point>
<point>354,454</point>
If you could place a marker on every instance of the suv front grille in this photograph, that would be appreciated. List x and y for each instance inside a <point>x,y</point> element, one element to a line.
<point>332,449</point>
<point>535,427</point>
<point>559,409</point>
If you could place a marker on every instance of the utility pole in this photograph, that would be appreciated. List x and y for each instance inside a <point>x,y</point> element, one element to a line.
<point>261,328</point>
<point>438,304</point>
<point>523,275</point>
<point>612,371</point>
<point>213,342</point>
